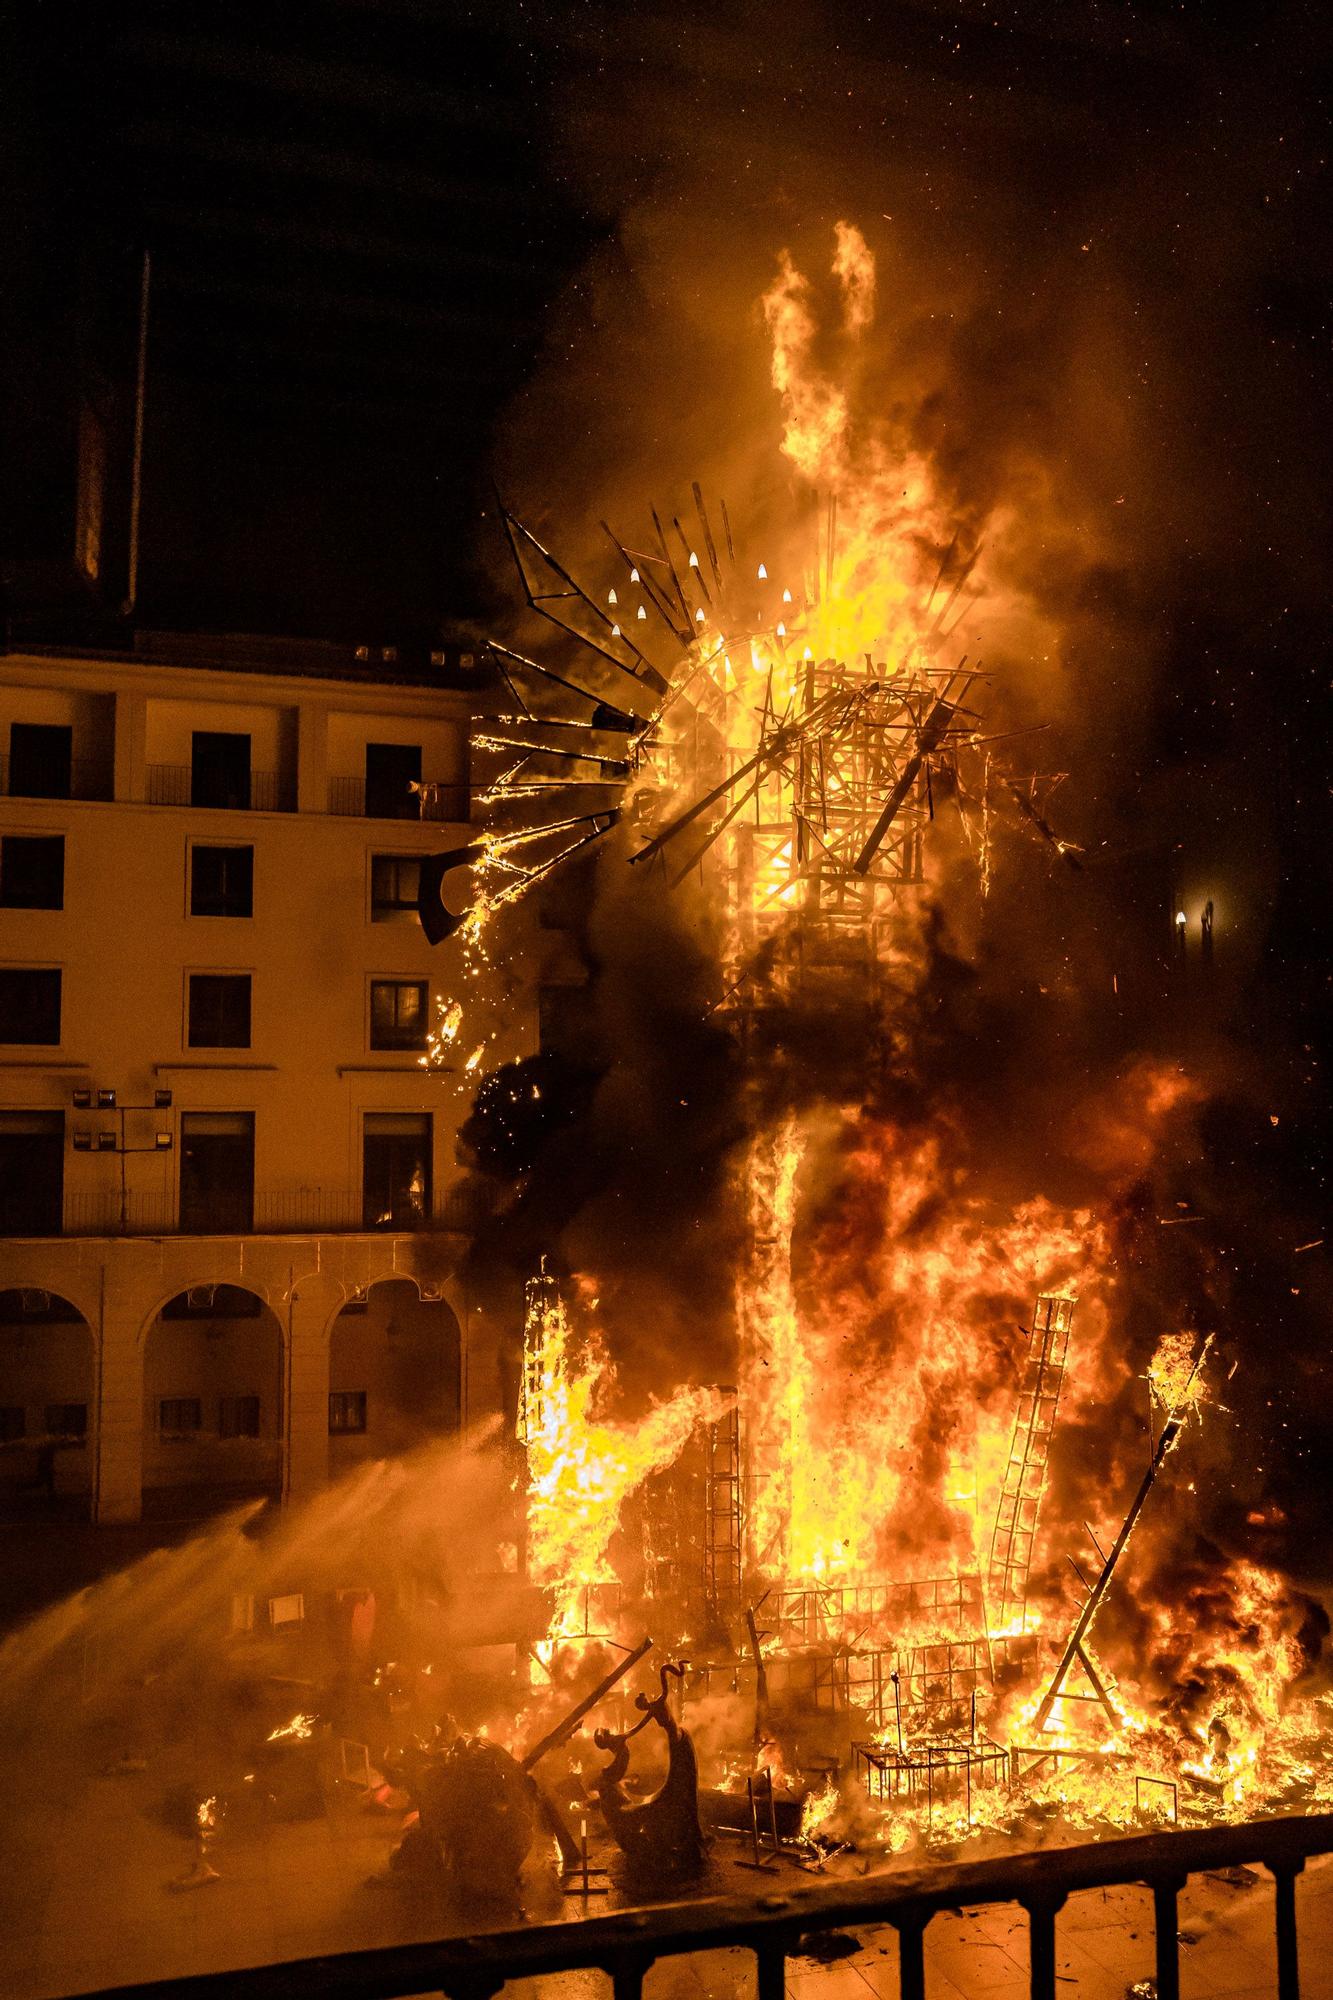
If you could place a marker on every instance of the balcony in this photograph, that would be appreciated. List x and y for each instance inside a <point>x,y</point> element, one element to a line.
<point>173,785</point>
<point>350,798</point>
<point>58,778</point>
<point>317,1211</point>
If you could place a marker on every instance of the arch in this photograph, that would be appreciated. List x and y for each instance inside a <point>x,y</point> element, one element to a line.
<point>228,1283</point>
<point>399,1353</point>
<point>48,1404</point>
<point>212,1400</point>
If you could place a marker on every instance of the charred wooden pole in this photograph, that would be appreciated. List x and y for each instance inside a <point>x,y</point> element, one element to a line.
<point>565,1729</point>
<point>761,1723</point>
<point>1074,1647</point>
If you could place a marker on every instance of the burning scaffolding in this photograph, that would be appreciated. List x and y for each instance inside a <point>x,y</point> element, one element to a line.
<point>773,732</point>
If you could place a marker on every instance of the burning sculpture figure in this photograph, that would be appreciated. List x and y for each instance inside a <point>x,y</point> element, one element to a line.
<point>776,732</point>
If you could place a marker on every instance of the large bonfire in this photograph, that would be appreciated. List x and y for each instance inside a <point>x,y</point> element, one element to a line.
<point>783,725</point>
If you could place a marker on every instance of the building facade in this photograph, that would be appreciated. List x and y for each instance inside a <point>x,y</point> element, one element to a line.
<point>231,1214</point>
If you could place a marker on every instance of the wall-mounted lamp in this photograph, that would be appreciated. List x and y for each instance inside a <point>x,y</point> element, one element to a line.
<point>81,1097</point>
<point>106,1100</point>
<point>161,1100</point>
<point>163,1142</point>
<point>81,1139</point>
<point>106,1142</point>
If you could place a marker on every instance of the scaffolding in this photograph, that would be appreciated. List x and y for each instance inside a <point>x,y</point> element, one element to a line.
<point>1029,1454</point>
<point>937,1606</point>
<point>723,1514</point>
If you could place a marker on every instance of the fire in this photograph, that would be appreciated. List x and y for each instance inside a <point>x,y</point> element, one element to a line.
<point>818,1810</point>
<point>1175,1374</point>
<point>582,1466</point>
<point>893,1394</point>
<point>880,1406</point>
<point>298,1730</point>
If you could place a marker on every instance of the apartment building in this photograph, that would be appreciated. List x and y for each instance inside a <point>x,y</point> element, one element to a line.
<point>231,1215</point>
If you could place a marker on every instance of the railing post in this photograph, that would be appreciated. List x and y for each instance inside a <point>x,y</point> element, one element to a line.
<point>1284,1875</point>
<point>1168,1943</point>
<point>1041,1942</point>
<point>911,1929</point>
<point>473,1986</point>
<point>771,1963</point>
<point>627,1975</point>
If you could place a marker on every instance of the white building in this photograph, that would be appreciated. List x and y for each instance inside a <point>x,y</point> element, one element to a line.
<point>230,1211</point>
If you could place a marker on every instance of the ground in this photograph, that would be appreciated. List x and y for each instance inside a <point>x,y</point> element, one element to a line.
<point>87,1900</point>
<point>89,1857</point>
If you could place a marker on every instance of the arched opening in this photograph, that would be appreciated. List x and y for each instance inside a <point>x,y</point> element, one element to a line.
<point>393,1374</point>
<point>212,1403</point>
<point>47,1406</point>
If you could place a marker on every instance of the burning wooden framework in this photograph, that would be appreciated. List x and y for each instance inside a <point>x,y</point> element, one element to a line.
<point>711,715</point>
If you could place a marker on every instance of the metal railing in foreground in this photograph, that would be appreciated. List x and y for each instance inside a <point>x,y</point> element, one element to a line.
<point>626,1944</point>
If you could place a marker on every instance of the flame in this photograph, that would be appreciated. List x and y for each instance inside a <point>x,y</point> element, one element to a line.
<point>582,1466</point>
<point>818,1809</point>
<point>1175,1376</point>
<point>297,1730</point>
<point>879,1406</point>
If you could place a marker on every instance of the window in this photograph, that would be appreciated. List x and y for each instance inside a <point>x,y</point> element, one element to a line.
<point>391,771</point>
<point>67,1420</point>
<point>30,1006</point>
<point>40,760</point>
<point>13,1422</point>
<point>32,1178</point>
<point>396,1169</point>
<point>219,769</point>
<point>238,1417</point>
<point>219,1010</point>
<point>179,1416</point>
<point>32,871</point>
<point>347,1411</point>
<point>222,881</point>
<point>397,1013</point>
<point>394,881</point>
<point>217,1187</point>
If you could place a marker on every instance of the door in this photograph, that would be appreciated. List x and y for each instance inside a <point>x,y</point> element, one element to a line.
<point>395,1181</point>
<point>40,760</point>
<point>32,1173</point>
<point>220,769</point>
<point>217,1154</point>
<point>391,771</point>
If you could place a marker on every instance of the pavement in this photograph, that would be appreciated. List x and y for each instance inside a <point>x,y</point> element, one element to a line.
<point>87,1899</point>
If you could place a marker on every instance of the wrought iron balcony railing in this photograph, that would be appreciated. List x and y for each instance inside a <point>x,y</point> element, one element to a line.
<point>175,785</point>
<point>352,796</point>
<point>625,1945</point>
<point>313,1211</point>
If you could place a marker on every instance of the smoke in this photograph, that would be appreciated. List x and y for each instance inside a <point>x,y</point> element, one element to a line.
<point>427,1518</point>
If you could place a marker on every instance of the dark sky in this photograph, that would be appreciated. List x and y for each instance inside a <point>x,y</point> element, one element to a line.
<point>368,218</point>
